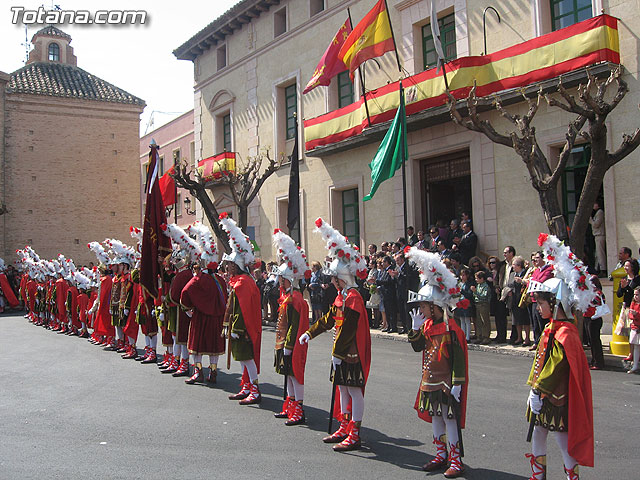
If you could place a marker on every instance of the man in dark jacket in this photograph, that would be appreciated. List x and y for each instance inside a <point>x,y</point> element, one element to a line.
<point>468,243</point>
<point>388,292</point>
<point>407,278</point>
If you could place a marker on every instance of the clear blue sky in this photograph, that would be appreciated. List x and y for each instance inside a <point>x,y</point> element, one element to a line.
<point>137,58</point>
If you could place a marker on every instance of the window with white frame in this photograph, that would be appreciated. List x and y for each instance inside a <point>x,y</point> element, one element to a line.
<point>279,22</point>
<point>316,6</point>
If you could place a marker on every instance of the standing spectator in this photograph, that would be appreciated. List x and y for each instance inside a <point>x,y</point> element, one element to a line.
<point>443,231</point>
<point>397,246</point>
<point>598,229</point>
<point>407,278</point>
<point>422,242</point>
<point>501,281</point>
<point>434,238</point>
<point>412,238</point>
<point>388,292</point>
<point>329,290</point>
<point>373,249</point>
<point>465,217</point>
<point>456,264</point>
<point>384,247</point>
<point>468,243</point>
<point>626,288</point>
<point>624,254</point>
<point>476,265</point>
<point>464,314</point>
<point>454,232</point>
<point>493,265</point>
<point>443,251</point>
<point>541,273</point>
<point>315,290</point>
<point>481,299</point>
<point>634,331</point>
<point>594,324</point>
<point>519,313</point>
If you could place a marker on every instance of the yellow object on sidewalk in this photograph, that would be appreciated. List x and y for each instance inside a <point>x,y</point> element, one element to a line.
<point>619,344</point>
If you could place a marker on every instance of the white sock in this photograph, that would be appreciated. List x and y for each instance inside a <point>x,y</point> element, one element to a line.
<point>298,389</point>
<point>154,342</point>
<point>636,356</point>
<point>344,399</point>
<point>291,389</point>
<point>439,427</point>
<point>197,359</point>
<point>213,359</point>
<point>184,352</point>
<point>170,349</point>
<point>131,340</point>
<point>452,430</point>
<point>119,333</point>
<point>252,370</point>
<point>562,439</point>
<point>539,441</point>
<point>147,341</point>
<point>175,346</point>
<point>83,326</point>
<point>357,403</point>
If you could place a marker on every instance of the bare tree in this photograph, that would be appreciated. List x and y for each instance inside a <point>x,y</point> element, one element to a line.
<point>592,110</point>
<point>244,184</point>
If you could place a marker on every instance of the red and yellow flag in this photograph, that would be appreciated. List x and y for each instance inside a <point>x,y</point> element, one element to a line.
<point>330,65</point>
<point>371,38</point>
<point>168,187</point>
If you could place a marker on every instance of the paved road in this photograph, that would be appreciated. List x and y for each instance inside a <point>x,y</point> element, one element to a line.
<point>70,410</point>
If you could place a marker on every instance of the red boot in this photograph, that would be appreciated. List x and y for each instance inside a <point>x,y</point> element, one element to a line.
<point>352,442</point>
<point>183,369</point>
<point>175,363</point>
<point>538,467</point>
<point>254,395</point>
<point>151,358</point>
<point>286,409</point>
<point>572,474</point>
<point>166,361</point>
<point>242,394</point>
<point>147,350</point>
<point>197,375</point>
<point>132,353</point>
<point>342,432</point>
<point>296,416</point>
<point>440,460</point>
<point>456,468</point>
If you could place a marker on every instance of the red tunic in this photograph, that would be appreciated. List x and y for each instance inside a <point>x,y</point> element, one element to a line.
<point>91,317</point>
<point>131,328</point>
<point>182,322</point>
<point>580,404</point>
<point>248,297</point>
<point>32,290</point>
<point>7,292</point>
<point>102,324</point>
<point>61,297</point>
<point>299,355</point>
<point>23,285</point>
<point>74,306</point>
<point>206,295</point>
<point>82,307</point>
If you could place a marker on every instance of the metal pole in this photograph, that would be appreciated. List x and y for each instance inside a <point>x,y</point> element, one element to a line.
<point>484,25</point>
<point>393,37</point>
<point>404,175</point>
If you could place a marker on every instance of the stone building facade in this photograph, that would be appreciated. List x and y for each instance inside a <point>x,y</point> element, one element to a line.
<point>252,63</point>
<point>70,148</point>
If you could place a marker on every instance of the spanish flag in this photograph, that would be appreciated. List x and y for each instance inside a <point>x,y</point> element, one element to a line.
<point>371,38</point>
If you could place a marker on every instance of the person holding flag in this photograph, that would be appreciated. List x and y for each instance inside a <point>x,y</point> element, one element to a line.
<point>351,355</point>
<point>442,395</point>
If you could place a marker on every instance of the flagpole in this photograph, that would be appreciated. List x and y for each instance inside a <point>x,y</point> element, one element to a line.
<point>404,176</point>
<point>364,93</point>
<point>393,37</point>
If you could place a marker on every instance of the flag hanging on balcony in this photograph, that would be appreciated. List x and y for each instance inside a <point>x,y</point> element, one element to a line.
<point>392,152</point>
<point>330,65</point>
<point>168,188</point>
<point>371,38</point>
<point>154,242</point>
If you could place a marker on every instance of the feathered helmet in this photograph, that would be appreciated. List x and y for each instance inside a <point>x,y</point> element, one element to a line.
<point>122,253</point>
<point>572,285</point>
<point>137,234</point>
<point>347,261</point>
<point>207,244</point>
<point>292,258</point>
<point>101,254</point>
<point>81,280</point>
<point>2,265</point>
<point>440,287</point>
<point>67,267</point>
<point>188,249</point>
<point>241,249</point>
<point>31,253</point>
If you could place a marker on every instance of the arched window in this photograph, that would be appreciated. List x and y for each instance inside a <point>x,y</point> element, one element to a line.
<point>54,52</point>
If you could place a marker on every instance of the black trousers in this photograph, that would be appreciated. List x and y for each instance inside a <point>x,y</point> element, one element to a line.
<point>501,321</point>
<point>597,356</point>
<point>537,323</point>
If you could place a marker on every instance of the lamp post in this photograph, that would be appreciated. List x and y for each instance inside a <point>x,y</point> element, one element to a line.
<point>484,25</point>
<point>187,204</point>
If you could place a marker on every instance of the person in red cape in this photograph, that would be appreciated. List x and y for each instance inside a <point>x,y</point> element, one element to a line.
<point>442,395</point>
<point>351,355</point>
<point>131,327</point>
<point>82,307</point>
<point>560,396</point>
<point>31,289</point>
<point>290,357</point>
<point>243,314</point>
<point>61,287</point>
<point>5,289</point>
<point>72,308</point>
<point>102,308</point>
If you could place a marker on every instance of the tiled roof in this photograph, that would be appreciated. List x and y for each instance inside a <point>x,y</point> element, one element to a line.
<point>51,31</point>
<point>61,80</point>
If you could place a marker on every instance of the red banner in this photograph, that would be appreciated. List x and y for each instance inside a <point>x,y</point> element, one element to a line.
<point>330,65</point>
<point>168,188</point>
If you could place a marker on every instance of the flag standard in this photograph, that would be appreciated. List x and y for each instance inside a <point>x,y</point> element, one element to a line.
<point>392,152</point>
<point>293,210</point>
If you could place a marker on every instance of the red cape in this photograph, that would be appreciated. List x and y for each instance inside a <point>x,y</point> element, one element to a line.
<point>61,298</point>
<point>32,290</point>
<point>248,297</point>
<point>206,294</point>
<point>23,285</point>
<point>102,324</point>
<point>91,317</point>
<point>7,292</point>
<point>299,356</point>
<point>74,305</point>
<point>83,306</point>
<point>355,302</point>
<point>429,329</point>
<point>580,404</point>
<point>131,328</point>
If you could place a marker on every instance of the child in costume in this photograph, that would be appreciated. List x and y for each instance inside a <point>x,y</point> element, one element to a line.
<point>560,396</point>
<point>442,396</point>
<point>351,355</point>
<point>293,319</point>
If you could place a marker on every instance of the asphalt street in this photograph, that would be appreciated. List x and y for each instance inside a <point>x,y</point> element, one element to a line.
<point>70,410</point>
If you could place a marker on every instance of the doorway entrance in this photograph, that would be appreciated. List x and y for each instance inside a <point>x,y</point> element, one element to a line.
<point>446,187</point>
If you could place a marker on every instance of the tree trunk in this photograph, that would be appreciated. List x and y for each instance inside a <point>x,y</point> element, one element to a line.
<point>242,217</point>
<point>553,213</point>
<point>212,215</point>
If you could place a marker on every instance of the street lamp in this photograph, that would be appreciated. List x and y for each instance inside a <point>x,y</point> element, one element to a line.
<point>187,204</point>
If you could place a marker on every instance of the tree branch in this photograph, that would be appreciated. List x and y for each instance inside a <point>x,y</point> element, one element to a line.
<point>565,154</point>
<point>628,145</point>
